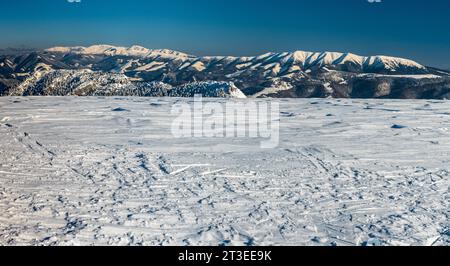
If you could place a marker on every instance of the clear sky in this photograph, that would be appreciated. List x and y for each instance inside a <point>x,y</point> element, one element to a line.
<point>407,28</point>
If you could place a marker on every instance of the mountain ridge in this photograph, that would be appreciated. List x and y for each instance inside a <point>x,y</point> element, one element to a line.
<point>307,58</point>
<point>285,74</point>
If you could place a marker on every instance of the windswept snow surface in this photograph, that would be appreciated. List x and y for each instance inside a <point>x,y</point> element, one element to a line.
<point>107,171</point>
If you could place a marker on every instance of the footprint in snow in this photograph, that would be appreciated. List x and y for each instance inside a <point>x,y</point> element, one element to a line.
<point>120,110</point>
<point>398,126</point>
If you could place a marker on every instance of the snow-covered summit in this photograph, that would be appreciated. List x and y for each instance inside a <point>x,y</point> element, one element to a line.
<point>320,59</point>
<point>109,50</point>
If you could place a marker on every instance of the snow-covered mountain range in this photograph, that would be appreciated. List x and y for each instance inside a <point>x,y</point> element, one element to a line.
<point>136,70</point>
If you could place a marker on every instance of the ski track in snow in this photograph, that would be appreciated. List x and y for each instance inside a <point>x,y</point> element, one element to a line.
<point>74,172</point>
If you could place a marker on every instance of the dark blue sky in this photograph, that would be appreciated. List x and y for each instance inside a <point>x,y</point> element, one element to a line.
<point>414,29</point>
